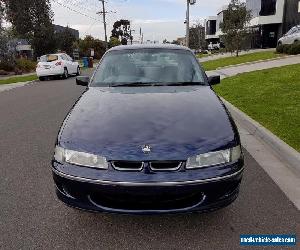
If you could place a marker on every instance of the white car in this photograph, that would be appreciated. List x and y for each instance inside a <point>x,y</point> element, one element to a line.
<point>56,65</point>
<point>292,36</point>
<point>212,46</point>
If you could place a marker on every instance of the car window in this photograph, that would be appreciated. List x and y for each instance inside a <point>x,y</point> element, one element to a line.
<point>65,57</point>
<point>292,31</point>
<point>69,58</point>
<point>48,58</point>
<point>148,66</point>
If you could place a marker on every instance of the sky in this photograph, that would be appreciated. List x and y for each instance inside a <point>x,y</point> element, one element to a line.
<point>158,19</point>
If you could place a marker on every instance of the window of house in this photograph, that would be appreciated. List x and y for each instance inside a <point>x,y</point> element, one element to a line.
<point>268,8</point>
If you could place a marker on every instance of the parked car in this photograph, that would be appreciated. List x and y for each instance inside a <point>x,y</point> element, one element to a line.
<point>215,46</point>
<point>148,136</point>
<point>292,36</point>
<point>57,65</point>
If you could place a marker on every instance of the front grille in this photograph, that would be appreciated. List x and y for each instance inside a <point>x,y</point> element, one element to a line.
<point>165,165</point>
<point>154,166</point>
<point>128,165</point>
<point>146,201</point>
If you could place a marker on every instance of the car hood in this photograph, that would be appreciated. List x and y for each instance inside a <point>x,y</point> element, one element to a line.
<point>177,122</point>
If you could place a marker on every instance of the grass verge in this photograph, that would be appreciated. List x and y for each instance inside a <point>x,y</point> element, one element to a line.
<point>18,79</point>
<point>233,60</point>
<point>271,97</point>
<point>203,55</point>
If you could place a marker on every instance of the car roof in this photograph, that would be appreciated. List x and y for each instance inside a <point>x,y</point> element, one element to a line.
<point>55,54</point>
<point>149,46</point>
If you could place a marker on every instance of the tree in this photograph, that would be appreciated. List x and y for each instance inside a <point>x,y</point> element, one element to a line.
<point>121,31</point>
<point>165,41</point>
<point>175,42</point>
<point>65,40</point>
<point>2,8</point>
<point>197,36</point>
<point>234,25</point>
<point>113,42</point>
<point>32,20</point>
<point>85,45</point>
<point>6,58</point>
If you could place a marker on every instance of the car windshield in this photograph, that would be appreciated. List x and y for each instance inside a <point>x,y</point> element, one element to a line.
<point>48,58</point>
<point>148,67</point>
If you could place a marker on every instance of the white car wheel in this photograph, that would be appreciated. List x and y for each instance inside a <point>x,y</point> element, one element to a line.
<point>78,71</point>
<point>66,73</point>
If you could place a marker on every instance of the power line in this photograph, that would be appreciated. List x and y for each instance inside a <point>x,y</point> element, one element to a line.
<point>76,11</point>
<point>81,5</point>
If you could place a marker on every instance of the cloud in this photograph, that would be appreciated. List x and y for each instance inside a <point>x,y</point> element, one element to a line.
<point>159,19</point>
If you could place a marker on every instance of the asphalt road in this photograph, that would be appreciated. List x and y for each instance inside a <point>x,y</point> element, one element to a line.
<point>32,218</point>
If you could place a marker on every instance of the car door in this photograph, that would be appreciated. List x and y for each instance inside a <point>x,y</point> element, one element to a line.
<point>73,64</point>
<point>68,64</point>
<point>65,62</point>
<point>289,39</point>
<point>297,35</point>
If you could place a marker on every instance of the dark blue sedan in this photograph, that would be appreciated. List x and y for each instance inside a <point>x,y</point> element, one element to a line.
<point>149,135</point>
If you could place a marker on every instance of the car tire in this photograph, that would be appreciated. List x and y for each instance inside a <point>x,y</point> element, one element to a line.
<point>65,74</point>
<point>41,78</point>
<point>78,71</point>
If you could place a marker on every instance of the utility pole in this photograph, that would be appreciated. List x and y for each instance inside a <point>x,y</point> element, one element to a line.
<point>104,22</point>
<point>189,2</point>
<point>187,42</point>
<point>130,33</point>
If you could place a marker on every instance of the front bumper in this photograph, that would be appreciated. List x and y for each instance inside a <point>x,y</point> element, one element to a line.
<point>138,196</point>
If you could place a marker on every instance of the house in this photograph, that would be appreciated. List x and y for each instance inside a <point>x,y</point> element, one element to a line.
<point>181,41</point>
<point>271,19</point>
<point>220,16</point>
<point>60,29</point>
<point>211,29</point>
<point>20,48</point>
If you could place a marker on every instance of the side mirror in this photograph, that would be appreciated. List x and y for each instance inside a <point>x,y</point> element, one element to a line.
<point>213,80</point>
<point>82,80</point>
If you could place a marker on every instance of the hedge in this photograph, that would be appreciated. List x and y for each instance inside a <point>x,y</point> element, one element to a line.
<point>18,65</point>
<point>25,65</point>
<point>290,49</point>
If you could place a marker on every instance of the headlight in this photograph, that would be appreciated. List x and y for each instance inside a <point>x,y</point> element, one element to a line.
<point>80,158</point>
<point>214,158</point>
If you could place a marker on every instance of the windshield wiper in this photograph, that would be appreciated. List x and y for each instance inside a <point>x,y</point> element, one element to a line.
<point>143,84</point>
<point>184,83</point>
<point>132,84</point>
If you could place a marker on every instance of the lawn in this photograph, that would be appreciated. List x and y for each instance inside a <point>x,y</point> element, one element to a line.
<point>202,55</point>
<point>233,60</point>
<point>271,97</point>
<point>18,79</point>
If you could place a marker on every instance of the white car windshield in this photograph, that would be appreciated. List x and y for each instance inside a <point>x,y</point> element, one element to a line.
<point>48,58</point>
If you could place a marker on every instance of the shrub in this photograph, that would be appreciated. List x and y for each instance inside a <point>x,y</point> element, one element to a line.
<point>294,48</point>
<point>25,65</point>
<point>286,49</point>
<point>7,63</point>
<point>279,48</point>
<point>290,49</point>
